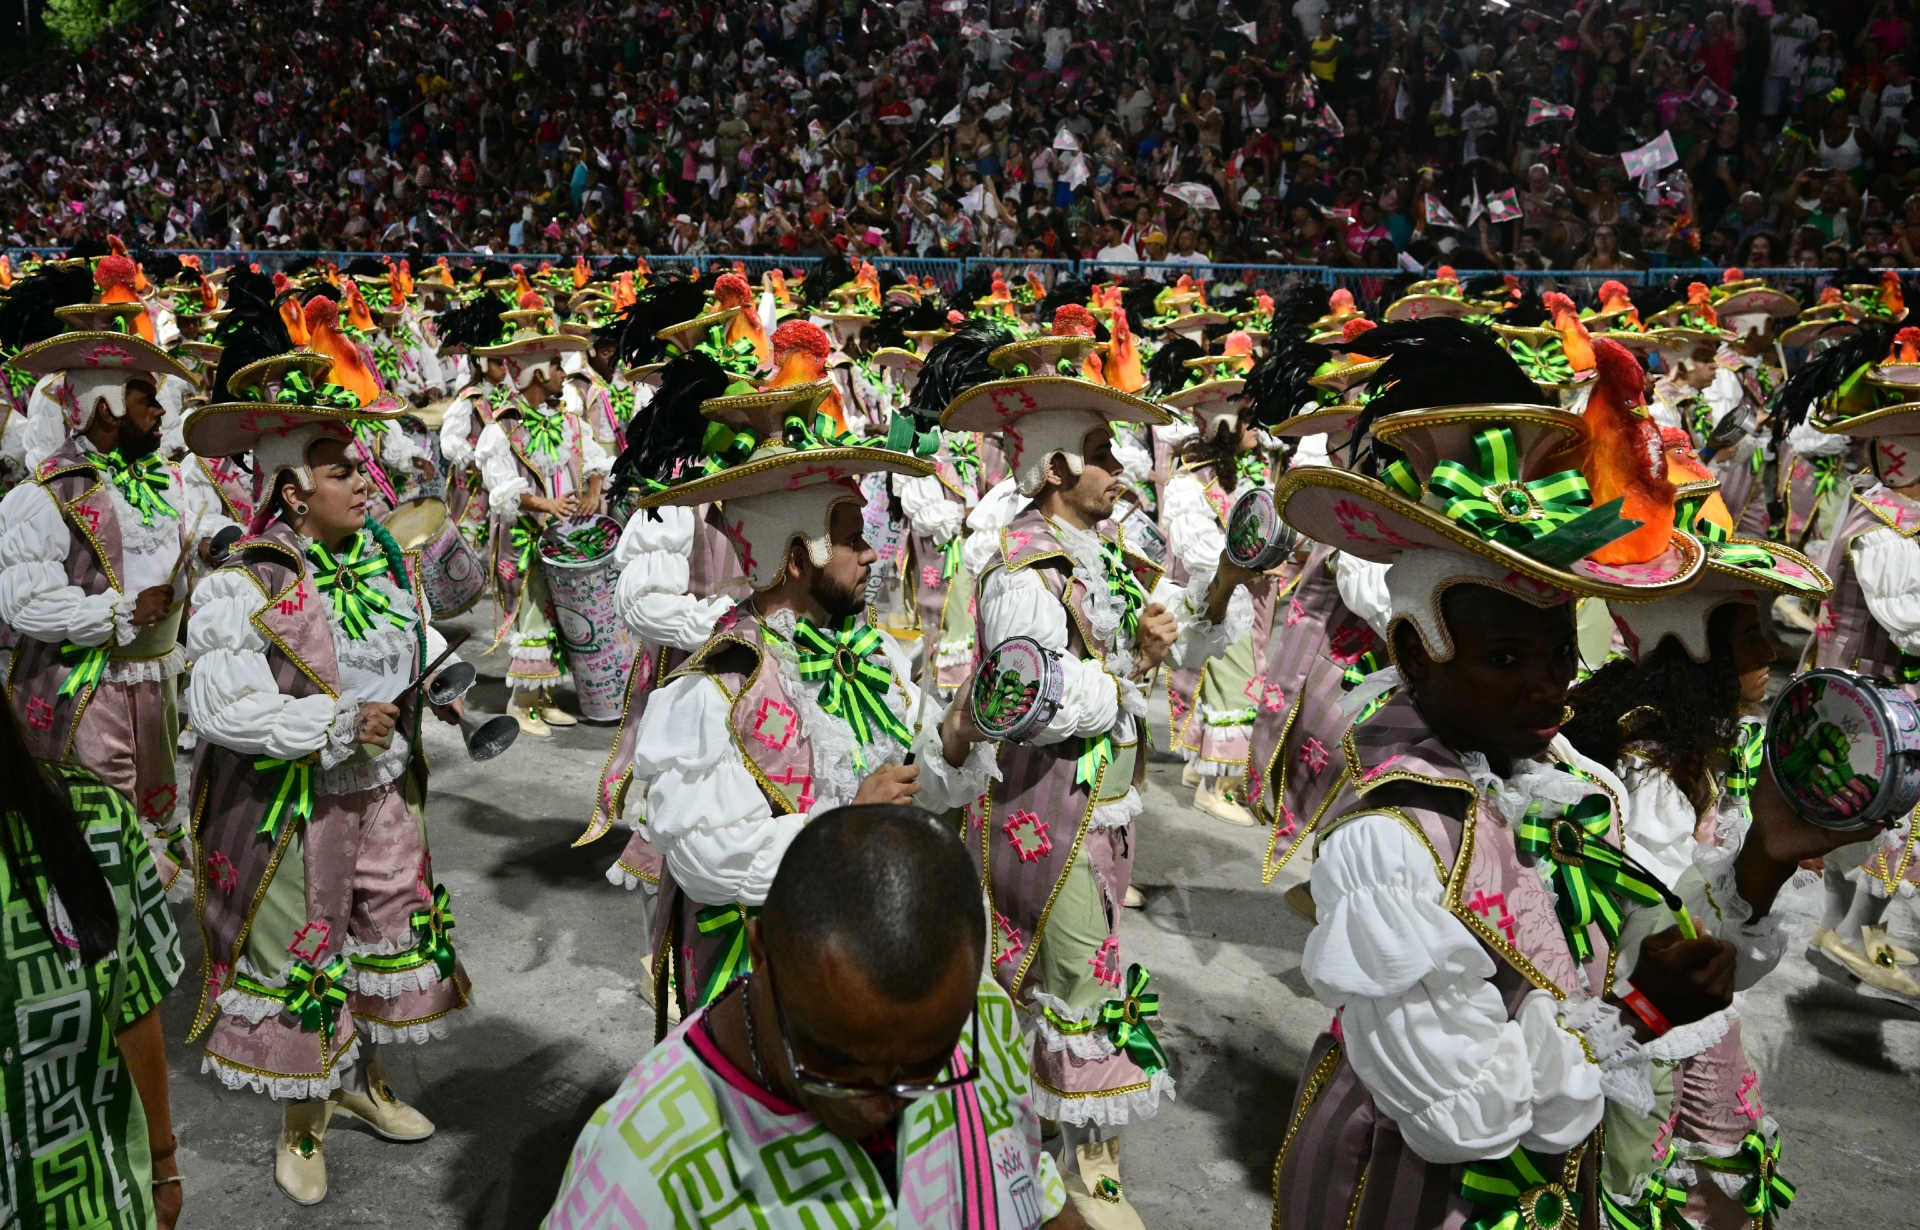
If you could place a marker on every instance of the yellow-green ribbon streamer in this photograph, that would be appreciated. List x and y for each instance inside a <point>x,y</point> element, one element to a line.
<point>1659,1209</point>
<point>1517,1192</point>
<point>1124,585</point>
<point>296,389</point>
<point>729,923</point>
<point>141,481</point>
<point>1125,1020</point>
<point>852,685</point>
<point>1765,1194</point>
<point>292,794</point>
<point>963,447</point>
<point>1096,752</point>
<point>1748,751</point>
<point>89,664</point>
<point>347,583</point>
<point>950,558</point>
<point>1589,876</point>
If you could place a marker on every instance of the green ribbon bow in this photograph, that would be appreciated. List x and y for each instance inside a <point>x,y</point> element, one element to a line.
<point>1399,475</point>
<point>545,431</point>
<point>1251,467</point>
<point>433,923</point>
<point>296,389</point>
<point>853,685</point>
<point>735,358</point>
<point>1122,584</point>
<point>89,664</point>
<point>1096,752</point>
<point>1589,876</point>
<point>292,794</point>
<point>729,923</point>
<point>1125,1020</point>
<point>963,448</point>
<point>498,396</point>
<point>725,448</point>
<point>315,995</point>
<point>1548,519</point>
<point>346,581</point>
<point>141,481</point>
<point>1749,749</point>
<point>523,536</point>
<point>950,558</point>
<point>1546,364</point>
<point>386,361</point>
<point>1826,472</point>
<point>1660,1209</point>
<point>1355,673</point>
<point>1765,1194</point>
<point>620,398</point>
<point>1518,1193</point>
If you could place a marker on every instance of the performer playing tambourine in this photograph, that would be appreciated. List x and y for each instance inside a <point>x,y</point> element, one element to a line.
<point>325,933</point>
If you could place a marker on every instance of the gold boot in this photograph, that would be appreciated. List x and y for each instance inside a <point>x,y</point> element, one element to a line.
<point>1875,940</point>
<point>299,1167</point>
<point>1095,1188</point>
<point>381,1110</point>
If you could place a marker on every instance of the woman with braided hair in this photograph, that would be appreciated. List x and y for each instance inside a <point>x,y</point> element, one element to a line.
<point>324,932</point>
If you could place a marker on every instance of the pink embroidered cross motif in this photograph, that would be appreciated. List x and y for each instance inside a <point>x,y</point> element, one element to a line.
<point>217,975</point>
<point>1484,904</point>
<point>221,871</point>
<point>1036,829</point>
<point>1893,465</point>
<point>1349,642</point>
<point>159,801</point>
<point>1750,1107</point>
<point>929,576</point>
<point>791,776</point>
<point>1011,403</point>
<point>736,534</point>
<point>1378,769</point>
<point>800,477</point>
<point>774,724</point>
<point>1295,612</point>
<point>309,950</point>
<point>1824,625</point>
<point>505,569</point>
<point>298,602</point>
<point>423,878</point>
<point>1292,823</point>
<point>1017,541</point>
<point>1351,514</point>
<point>1014,945</point>
<point>39,714</point>
<point>1176,704</point>
<point>1252,690</point>
<point>1272,698</point>
<point>1314,754</point>
<point>90,515</point>
<point>1103,969</point>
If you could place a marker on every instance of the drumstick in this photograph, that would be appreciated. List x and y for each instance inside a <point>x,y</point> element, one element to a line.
<point>919,717</point>
<point>1671,899</point>
<point>186,548</point>
<point>459,639</point>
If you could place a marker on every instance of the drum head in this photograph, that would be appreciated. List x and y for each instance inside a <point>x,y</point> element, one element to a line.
<point>1255,531</point>
<point>580,540</point>
<point>1143,537</point>
<point>1838,750</point>
<point>1011,693</point>
<point>415,522</point>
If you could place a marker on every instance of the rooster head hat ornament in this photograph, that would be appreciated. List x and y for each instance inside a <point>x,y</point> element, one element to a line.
<point>1466,476</point>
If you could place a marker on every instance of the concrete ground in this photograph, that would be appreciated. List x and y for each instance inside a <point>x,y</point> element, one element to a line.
<point>555,954</point>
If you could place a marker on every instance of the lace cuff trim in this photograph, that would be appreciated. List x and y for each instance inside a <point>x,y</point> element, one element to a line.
<point>1093,1044</point>
<point>1104,1109</point>
<point>1624,1074</point>
<point>293,1088</point>
<point>1119,812</point>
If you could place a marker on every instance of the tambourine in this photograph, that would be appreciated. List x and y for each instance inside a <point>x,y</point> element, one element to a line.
<point>1017,690</point>
<point>1143,537</point>
<point>1257,539</point>
<point>1845,749</point>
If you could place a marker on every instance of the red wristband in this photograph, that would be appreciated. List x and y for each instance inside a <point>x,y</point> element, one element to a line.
<point>1643,1008</point>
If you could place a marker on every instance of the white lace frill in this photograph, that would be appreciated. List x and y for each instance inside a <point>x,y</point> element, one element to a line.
<point>1119,812</point>
<point>289,1088</point>
<point>150,670</point>
<point>1686,1041</point>
<point>418,1034</point>
<point>1092,1045</point>
<point>1105,1109</point>
<point>1624,1073</point>
<point>1103,606</point>
<point>385,985</point>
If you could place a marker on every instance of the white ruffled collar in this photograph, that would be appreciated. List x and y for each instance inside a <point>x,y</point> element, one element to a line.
<point>1103,606</point>
<point>1532,781</point>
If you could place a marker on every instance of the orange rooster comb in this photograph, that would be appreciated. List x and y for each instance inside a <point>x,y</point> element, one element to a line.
<point>1072,320</point>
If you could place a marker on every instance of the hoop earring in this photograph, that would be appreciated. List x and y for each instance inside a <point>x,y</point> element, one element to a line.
<point>300,510</point>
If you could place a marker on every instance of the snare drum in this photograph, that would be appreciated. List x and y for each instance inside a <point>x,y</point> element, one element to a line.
<point>578,557</point>
<point>1143,536</point>
<point>1845,749</point>
<point>1017,690</point>
<point>450,572</point>
<point>1257,539</point>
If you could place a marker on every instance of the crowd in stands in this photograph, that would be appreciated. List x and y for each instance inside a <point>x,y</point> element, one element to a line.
<point>1487,134</point>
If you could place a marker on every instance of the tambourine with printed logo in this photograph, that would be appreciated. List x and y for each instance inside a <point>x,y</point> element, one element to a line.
<point>1017,690</point>
<point>1257,539</point>
<point>1143,535</point>
<point>1845,749</point>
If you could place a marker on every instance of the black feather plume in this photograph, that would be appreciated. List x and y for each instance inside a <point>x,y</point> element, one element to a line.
<point>1167,370</point>
<point>978,285</point>
<point>827,276</point>
<point>896,319</point>
<point>473,324</point>
<point>1277,388</point>
<point>160,267</point>
<point>674,430</point>
<point>1440,361</point>
<point>1528,312</point>
<point>662,302</point>
<point>956,364</point>
<point>244,284</point>
<point>1825,372</point>
<point>1137,298</point>
<point>252,330</point>
<point>26,314</point>
<point>364,267</point>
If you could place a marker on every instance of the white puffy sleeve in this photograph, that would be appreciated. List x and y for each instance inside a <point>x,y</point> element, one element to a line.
<point>925,500</point>
<point>594,460</point>
<point>397,449</point>
<point>1018,603</point>
<point>1660,820</point>
<point>205,509</point>
<point>499,473</point>
<point>233,697</point>
<point>1193,532</point>
<point>1425,1028</point>
<point>454,448</point>
<point>705,813</point>
<point>1363,587</point>
<point>46,427</point>
<point>1888,568</point>
<point>1200,638</point>
<point>654,593</point>
<point>995,511</point>
<point>1136,460</point>
<point>35,596</point>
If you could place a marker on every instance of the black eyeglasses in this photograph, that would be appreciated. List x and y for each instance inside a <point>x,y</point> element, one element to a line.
<point>822,1087</point>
